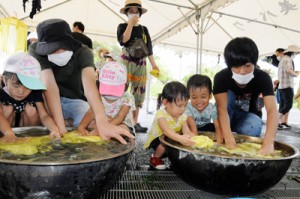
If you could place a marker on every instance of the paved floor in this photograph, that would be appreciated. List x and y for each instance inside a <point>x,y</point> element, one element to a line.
<point>140,181</point>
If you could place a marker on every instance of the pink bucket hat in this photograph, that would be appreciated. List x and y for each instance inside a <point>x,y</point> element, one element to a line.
<point>27,69</point>
<point>112,78</point>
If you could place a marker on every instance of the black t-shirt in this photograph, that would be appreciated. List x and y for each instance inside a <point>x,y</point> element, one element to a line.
<point>83,39</point>
<point>246,98</point>
<point>19,106</point>
<point>68,78</point>
<point>137,32</point>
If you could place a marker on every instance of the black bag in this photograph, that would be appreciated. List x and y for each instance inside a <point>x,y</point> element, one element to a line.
<point>137,48</point>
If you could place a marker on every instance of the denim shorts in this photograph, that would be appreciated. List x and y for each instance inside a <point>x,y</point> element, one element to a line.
<point>74,109</point>
<point>242,122</point>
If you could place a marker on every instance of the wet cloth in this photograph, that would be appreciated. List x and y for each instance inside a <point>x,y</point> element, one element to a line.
<point>155,130</point>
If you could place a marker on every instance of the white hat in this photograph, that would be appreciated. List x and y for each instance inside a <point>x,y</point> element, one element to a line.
<point>27,68</point>
<point>292,48</point>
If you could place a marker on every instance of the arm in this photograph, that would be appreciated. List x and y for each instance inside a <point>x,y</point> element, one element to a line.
<point>105,129</point>
<point>47,120</point>
<point>86,120</point>
<point>192,125</point>
<point>119,119</point>
<point>5,128</point>
<point>127,33</point>
<point>164,126</point>
<point>187,131</point>
<point>223,118</point>
<point>153,63</point>
<point>218,132</point>
<point>52,98</point>
<point>271,125</point>
<point>290,71</point>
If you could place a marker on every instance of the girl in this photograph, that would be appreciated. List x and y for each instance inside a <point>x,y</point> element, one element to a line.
<point>118,104</point>
<point>21,97</point>
<point>169,120</point>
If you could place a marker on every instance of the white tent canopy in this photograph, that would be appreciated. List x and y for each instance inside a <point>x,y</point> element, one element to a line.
<point>207,25</point>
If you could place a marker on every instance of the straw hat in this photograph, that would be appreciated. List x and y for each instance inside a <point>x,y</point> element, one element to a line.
<point>292,48</point>
<point>133,3</point>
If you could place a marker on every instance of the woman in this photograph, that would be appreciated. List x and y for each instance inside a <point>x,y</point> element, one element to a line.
<point>136,68</point>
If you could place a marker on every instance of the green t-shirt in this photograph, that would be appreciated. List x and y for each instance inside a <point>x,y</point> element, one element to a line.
<point>68,78</point>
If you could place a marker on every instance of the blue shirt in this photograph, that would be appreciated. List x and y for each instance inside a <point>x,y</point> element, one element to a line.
<point>203,118</point>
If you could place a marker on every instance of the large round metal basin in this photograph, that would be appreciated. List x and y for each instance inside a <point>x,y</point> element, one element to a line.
<point>225,175</point>
<point>88,178</point>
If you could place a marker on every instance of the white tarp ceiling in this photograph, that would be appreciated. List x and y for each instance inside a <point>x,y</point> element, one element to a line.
<point>172,23</point>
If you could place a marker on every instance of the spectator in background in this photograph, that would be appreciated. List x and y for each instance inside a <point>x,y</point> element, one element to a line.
<point>78,29</point>
<point>286,76</point>
<point>275,58</point>
<point>31,38</point>
<point>136,69</point>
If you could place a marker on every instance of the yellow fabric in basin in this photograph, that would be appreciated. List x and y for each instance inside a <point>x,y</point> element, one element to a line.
<point>248,149</point>
<point>27,146</point>
<point>202,141</point>
<point>74,138</point>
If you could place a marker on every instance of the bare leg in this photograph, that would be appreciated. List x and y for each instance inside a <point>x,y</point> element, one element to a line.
<point>160,151</point>
<point>30,116</point>
<point>9,114</point>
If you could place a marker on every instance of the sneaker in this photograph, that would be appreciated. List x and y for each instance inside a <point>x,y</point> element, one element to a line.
<point>139,128</point>
<point>157,163</point>
<point>286,126</point>
<point>280,127</point>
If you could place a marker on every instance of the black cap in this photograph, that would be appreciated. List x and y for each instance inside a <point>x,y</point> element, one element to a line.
<point>55,34</point>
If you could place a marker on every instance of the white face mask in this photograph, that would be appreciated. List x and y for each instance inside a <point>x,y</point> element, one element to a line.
<point>278,58</point>
<point>61,59</point>
<point>110,97</point>
<point>132,15</point>
<point>242,79</point>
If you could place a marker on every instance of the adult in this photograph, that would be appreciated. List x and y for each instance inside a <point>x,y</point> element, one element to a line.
<point>236,90</point>
<point>276,57</point>
<point>286,76</point>
<point>136,68</point>
<point>78,29</point>
<point>68,72</point>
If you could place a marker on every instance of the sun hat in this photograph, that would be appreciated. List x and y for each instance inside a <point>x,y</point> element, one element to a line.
<point>292,48</point>
<point>27,68</point>
<point>112,78</point>
<point>133,3</point>
<point>54,34</point>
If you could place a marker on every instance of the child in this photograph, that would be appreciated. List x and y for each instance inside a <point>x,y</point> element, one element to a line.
<point>118,104</point>
<point>169,120</point>
<point>236,90</point>
<point>21,97</point>
<point>199,111</point>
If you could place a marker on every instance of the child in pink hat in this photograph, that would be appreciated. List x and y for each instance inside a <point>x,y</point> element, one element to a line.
<point>118,104</point>
<point>21,97</point>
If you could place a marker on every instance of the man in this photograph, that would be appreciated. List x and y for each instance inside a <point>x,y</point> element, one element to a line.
<point>78,29</point>
<point>236,90</point>
<point>68,72</point>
